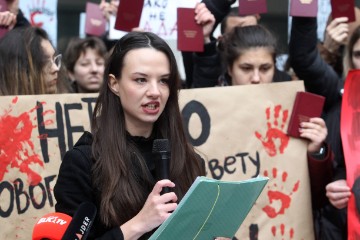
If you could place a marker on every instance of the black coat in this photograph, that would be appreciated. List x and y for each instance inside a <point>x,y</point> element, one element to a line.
<point>320,78</point>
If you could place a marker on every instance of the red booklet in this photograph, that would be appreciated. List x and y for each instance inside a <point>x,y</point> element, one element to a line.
<point>128,14</point>
<point>249,7</point>
<point>95,23</point>
<point>3,8</point>
<point>343,8</point>
<point>190,36</point>
<point>303,8</point>
<point>307,105</point>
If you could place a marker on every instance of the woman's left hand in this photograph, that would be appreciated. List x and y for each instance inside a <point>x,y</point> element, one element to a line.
<point>315,131</point>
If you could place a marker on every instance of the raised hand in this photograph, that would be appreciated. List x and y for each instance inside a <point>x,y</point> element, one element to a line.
<point>109,8</point>
<point>7,19</point>
<point>206,19</point>
<point>337,33</point>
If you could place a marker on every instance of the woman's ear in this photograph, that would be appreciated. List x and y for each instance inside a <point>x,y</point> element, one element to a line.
<point>229,71</point>
<point>113,84</point>
<point>71,76</point>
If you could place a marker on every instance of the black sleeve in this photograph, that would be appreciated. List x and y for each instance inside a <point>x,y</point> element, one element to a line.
<point>207,67</point>
<point>319,77</point>
<point>21,21</point>
<point>219,8</point>
<point>74,186</point>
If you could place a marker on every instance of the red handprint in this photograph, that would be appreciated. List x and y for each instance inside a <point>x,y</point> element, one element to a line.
<point>282,234</point>
<point>16,147</point>
<point>274,132</point>
<point>278,196</point>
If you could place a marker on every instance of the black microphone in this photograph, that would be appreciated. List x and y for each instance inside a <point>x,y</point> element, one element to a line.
<point>81,222</point>
<point>161,153</point>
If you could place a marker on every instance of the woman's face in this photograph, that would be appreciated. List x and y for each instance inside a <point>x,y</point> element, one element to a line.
<point>88,71</point>
<point>143,89</point>
<point>51,69</point>
<point>255,65</point>
<point>356,55</point>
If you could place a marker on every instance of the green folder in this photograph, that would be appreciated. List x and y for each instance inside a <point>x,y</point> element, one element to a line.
<point>211,208</point>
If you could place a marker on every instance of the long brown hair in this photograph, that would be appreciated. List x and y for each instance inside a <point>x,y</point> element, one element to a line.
<point>22,60</point>
<point>122,194</point>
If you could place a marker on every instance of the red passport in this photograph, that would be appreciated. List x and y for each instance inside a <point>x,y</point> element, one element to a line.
<point>343,8</point>
<point>307,105</point>
<point>250,7</point>
<point>3,8</point>
<point>128,14</point>
<point>303,8</point>
<point>190,36</point>
<point>95,23</point>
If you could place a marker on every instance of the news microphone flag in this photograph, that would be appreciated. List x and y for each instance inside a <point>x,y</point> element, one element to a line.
<point>51,226</point>
<point>81,223</point>
<point>60,226</point>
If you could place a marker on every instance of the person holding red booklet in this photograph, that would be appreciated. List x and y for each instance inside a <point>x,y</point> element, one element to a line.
<point>320,78</point>
<point>208,68</point>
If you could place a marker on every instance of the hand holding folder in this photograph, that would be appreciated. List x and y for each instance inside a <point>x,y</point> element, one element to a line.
<point>211,208</point>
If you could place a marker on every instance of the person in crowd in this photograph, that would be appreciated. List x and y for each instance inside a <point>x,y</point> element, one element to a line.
<point>249,55</point>
<point>219,9</point>
<point>113,167</point>
<point>336,39</point>
<point>321,78</point>
<point>28,63</point>
<point>84,60</point>
<point>208,68</point>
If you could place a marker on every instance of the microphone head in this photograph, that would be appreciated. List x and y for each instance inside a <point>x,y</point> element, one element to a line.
<point>51,226</point>
<point>161,145</point>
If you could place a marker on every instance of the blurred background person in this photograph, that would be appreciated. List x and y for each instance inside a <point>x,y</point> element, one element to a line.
<point>84,60</point>
<point>29,63</point>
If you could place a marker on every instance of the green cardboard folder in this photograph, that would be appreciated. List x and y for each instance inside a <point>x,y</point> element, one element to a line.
<point>211,208</point>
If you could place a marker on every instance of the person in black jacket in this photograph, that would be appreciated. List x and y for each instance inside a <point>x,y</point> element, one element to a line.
<point>113,166</point>
<point>211,67</point>
<point>321,78</point>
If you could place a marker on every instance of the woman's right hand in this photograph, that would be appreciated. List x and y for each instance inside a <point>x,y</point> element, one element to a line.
<point>338,193</point>
<point>206,19</point>
<point>155,211</point>
<point>7,19</point>
<point>109,8</point>
<point>336,34</point>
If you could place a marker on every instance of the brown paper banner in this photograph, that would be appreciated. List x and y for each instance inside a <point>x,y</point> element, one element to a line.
<point>240,131</point>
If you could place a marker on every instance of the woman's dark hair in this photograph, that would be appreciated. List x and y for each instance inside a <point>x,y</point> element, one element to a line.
<point>78,46</point>
<point>353,39</point>
<point>123,194</point>
<point>241,39</point>
<point>22,62</point>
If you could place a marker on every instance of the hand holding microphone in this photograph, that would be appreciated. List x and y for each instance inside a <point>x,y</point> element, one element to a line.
<point>162,155</point>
